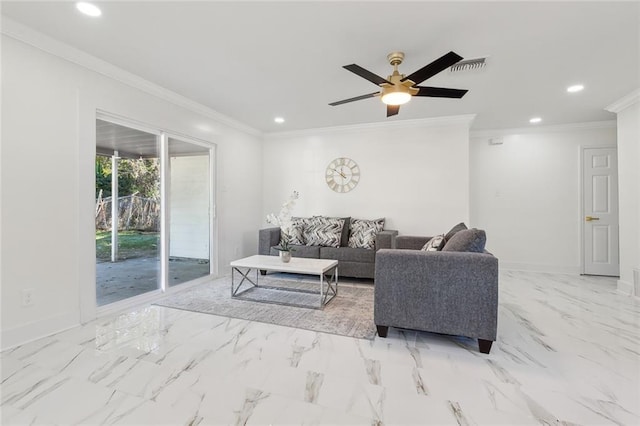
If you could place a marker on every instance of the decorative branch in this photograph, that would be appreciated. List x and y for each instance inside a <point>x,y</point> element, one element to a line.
<point>283,219</point>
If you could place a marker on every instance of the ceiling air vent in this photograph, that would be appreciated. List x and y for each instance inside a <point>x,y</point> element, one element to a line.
<point>469,64</point>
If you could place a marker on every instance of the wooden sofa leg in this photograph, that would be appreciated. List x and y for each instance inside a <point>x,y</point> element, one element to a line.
<point>382,330</point>
<point>484,345</point>
<point>263,272</point>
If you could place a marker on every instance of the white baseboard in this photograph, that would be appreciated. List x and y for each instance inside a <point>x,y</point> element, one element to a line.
<point>533,267</point>
<point>625,288</point>
<point>631,288</point>
<point>35,330</point>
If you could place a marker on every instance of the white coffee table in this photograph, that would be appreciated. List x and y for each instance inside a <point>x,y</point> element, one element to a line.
<point>326,269</point>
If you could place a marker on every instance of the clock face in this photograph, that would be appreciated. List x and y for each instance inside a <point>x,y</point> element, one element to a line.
<point>342,175</point>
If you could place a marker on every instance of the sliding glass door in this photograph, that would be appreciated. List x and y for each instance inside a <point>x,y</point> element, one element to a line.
<point>127,212</point>
<point>153,211</point>
<point>189,212</point>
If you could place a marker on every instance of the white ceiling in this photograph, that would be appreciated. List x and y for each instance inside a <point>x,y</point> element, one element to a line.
<point>253,61</point>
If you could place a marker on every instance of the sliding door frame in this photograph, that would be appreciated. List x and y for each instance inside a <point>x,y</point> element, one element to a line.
<point>213,229</point>
<point>88,302</point>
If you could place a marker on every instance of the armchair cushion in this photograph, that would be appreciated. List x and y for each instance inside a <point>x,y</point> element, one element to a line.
<point>459,227</point>
<point>469,240</point>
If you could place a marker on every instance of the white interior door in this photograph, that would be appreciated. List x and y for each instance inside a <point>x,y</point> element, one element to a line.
<point>600,211</point>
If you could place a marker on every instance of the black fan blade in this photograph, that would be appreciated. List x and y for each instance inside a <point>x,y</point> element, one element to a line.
<point>434,68</point>
<point>392,110</point>
<point>440,92</point>
<point>357,98</point>
<point>366,74</point>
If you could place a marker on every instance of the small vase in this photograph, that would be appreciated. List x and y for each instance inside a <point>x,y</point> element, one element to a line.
<point>285,256</point>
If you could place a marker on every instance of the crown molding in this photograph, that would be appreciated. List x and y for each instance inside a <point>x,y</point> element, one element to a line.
<point>47,44</point>
<point>624,102</point>
<point>454,120</point>
<point>609,124</point>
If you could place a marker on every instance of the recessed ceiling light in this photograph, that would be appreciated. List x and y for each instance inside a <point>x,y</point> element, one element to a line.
<point>575,88</point>
<point>535,120</point>
<point>279,120</point>
<point>88,9</point>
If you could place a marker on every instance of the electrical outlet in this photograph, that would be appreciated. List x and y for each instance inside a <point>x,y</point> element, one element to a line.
<point>27,297</point>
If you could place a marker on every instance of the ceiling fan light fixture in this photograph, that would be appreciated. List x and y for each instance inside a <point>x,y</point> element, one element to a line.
<point>88,9</point>
<point>396,98</point>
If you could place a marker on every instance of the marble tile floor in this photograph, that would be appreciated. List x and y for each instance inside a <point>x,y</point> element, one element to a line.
<point>568,352</point>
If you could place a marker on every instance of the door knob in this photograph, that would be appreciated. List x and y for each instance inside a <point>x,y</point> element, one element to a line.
<point>590,218</point>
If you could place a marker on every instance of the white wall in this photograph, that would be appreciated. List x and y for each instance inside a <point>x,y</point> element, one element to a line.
<point>526,194</point>
<point>414,173</point>
<point>47,166</point>
<point>629,176</point>
<point>189,216</point>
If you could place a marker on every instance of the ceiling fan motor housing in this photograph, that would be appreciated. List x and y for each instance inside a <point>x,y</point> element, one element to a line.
<point>395,58</point>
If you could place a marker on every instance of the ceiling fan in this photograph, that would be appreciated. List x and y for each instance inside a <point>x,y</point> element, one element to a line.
<point>397,89</point>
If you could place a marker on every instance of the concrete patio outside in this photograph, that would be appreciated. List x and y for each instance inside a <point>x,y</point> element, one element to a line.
<point>131,277</point>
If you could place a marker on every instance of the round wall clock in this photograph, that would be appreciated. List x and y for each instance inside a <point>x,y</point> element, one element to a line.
<point>342,175</point>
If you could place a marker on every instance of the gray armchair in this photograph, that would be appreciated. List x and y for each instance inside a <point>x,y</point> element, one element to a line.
<point>443,292</point>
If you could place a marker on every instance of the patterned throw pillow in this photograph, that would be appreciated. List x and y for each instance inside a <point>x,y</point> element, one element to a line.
<point>323,231</point>
<point>295,232</point>
<point>434,244</point>
<point>364,232</point>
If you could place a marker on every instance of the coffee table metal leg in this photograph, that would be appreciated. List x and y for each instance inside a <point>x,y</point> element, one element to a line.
<point>245,277</point>
<point>332,287</point>
<point>321,290</point>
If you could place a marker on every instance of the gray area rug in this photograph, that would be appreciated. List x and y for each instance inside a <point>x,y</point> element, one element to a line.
<point>350,313</point>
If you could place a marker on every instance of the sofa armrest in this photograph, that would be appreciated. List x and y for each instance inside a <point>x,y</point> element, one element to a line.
<point>411,242</point>
<point>386,239</point>
<point>444,292</point>
<point>267,238</point>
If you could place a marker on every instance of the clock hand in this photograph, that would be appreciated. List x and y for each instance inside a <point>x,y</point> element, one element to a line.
<point>340,173</point>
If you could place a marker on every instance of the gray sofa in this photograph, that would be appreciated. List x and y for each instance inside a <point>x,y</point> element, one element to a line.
<point>353,262</point>
<point>446,292</point>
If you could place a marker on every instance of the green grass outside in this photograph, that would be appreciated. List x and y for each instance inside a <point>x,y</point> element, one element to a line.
<point>130,244</point>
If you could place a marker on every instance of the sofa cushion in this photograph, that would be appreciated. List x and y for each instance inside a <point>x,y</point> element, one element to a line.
<point>471,240</point>
<point>363,232</point>
<point>459,227</point>
<point>344,238</point>
<point>323,231</point>
<point>309,252</point>
<point>347,254</point>
<point>434,244</point>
